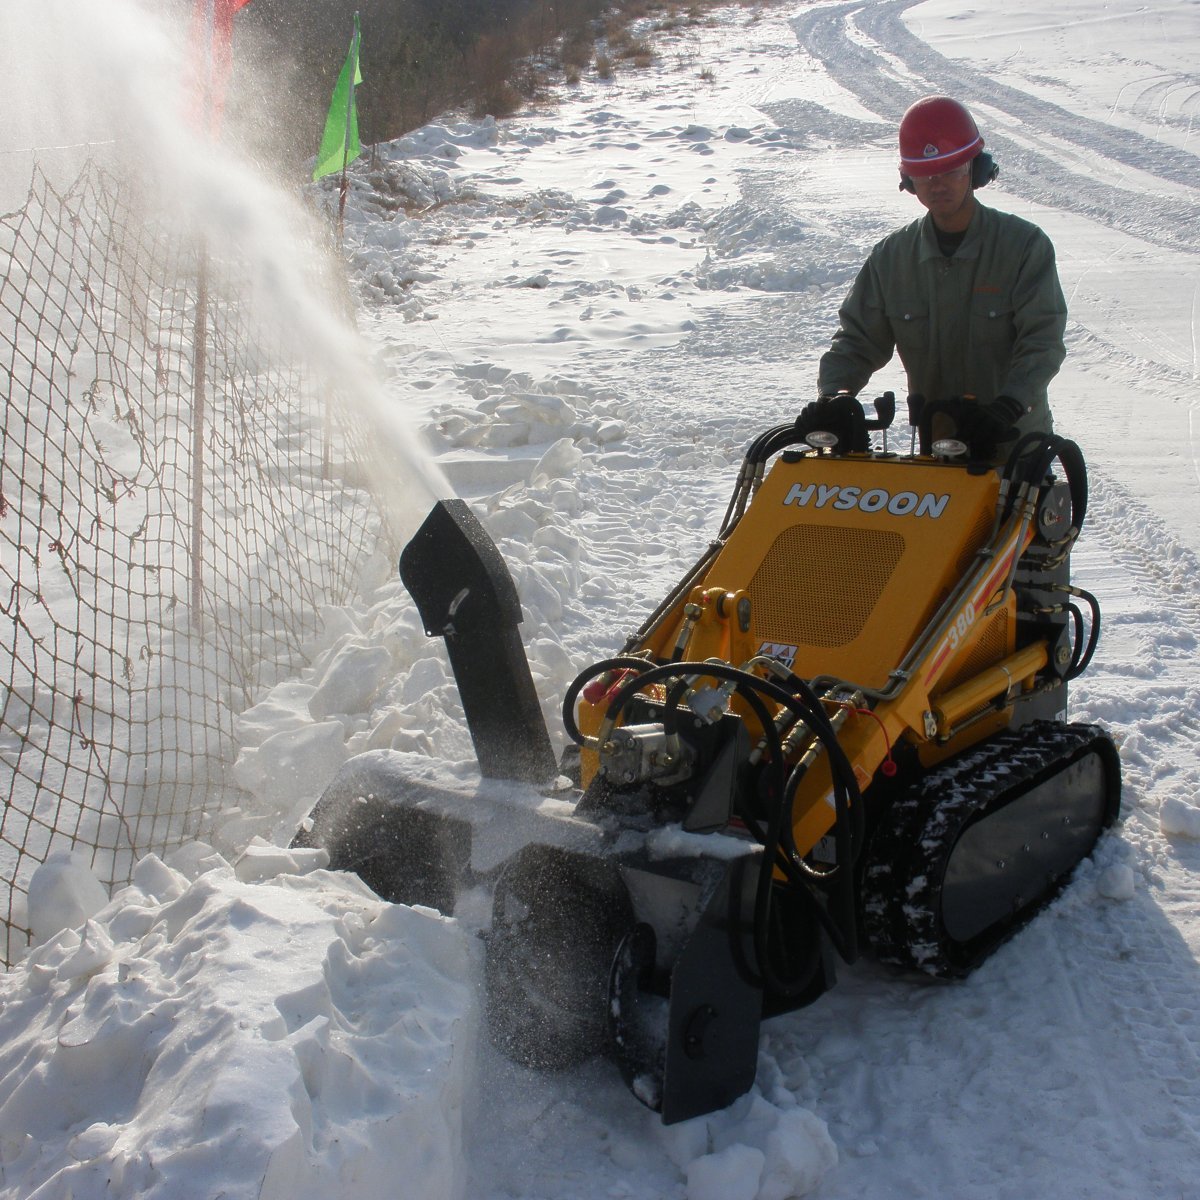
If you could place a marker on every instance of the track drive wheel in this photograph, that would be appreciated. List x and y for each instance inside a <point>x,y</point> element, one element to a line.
<point>638,1017</point>
<point>557,921</point>
<point>971,852</point>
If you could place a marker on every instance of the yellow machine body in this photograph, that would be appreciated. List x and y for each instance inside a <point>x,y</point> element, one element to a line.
<point>890,578</point>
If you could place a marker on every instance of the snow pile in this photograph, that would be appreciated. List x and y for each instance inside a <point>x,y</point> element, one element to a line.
<point>1180,819</point>
<point>204,1036</point>
<point>1117,882</point>
<point>754,1150</point>
<point>512,409</point>
<point>63,894</point>
<point>358,693</point>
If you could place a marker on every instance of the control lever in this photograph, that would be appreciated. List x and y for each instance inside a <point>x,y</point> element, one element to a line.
<point>885,414</point>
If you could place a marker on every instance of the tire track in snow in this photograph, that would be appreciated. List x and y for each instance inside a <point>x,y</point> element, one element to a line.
<point>1102,958</point>
<point>884,23</point>
<point>1033,167</point>
<point>1122,531</point>
<point>1155,94</point>
<point>1142,542</point>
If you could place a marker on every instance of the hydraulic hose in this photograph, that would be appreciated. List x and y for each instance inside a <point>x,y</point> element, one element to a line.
<point>1082,655</point>
<point>849,819</point>
<point>1029,466</point>
<point>623,662</point>
<point>801,701</point>
<point>770,442</point>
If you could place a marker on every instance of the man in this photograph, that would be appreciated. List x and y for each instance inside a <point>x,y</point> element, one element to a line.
<point>968,296</point>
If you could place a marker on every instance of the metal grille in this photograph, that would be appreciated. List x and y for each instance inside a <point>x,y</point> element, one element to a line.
<point>817,585</point>
<point>989,649</point>
<point>983,526</point>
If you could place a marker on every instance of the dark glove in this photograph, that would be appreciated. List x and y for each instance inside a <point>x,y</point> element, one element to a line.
<point>841,415</point>
<point>819,413</point>
<point>994,421</point>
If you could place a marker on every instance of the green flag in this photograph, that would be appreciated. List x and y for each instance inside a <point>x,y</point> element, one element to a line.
<point>340,144</point>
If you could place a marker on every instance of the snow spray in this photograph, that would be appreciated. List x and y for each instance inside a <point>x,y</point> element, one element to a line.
<point>130,708</point>
<point>113,81</point>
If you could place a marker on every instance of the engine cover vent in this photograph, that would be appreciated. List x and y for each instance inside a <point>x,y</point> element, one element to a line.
<point>818,585</point>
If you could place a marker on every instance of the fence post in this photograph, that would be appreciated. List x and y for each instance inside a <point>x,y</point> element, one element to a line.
<point>199,373</point>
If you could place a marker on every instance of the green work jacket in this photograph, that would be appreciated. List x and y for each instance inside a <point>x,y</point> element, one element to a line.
<point>988,321</point>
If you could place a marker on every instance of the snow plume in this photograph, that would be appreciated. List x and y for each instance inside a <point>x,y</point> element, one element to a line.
<point>116,76</point>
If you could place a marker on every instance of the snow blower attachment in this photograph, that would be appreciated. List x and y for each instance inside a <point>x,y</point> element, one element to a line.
<point>843,730</point>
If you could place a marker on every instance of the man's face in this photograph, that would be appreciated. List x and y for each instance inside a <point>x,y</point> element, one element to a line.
<point>948,197</point>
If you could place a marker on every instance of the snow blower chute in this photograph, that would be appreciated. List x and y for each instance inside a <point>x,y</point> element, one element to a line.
<point>844,730</point>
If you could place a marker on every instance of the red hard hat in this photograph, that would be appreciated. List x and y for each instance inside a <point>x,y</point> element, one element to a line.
<point>937,134</point>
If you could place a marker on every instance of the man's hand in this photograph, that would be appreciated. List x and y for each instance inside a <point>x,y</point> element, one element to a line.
<point>994,421</point>
<point>818,413</point>
<point>841,415</point>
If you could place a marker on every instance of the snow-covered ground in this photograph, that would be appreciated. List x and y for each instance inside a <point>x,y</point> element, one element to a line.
<point>592,308</point>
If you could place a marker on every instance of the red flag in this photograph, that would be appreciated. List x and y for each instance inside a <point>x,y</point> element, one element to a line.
<point>211,42</point>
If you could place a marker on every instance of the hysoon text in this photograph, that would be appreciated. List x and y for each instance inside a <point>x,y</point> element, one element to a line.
<point>869,500</point>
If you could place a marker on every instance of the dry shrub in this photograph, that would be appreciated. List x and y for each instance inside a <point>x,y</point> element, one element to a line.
<point>577,51</point>
<point>490,70</point>
<point>604,66</point>
<point>501,100</point>
<point>636,48</point>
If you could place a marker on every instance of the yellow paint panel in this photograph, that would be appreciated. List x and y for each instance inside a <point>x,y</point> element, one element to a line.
<point>825,538</point>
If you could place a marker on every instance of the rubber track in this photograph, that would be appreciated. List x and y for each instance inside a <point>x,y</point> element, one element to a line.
<point>910,851</point>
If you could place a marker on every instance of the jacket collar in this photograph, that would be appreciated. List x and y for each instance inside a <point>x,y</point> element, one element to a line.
<point>970,245</point>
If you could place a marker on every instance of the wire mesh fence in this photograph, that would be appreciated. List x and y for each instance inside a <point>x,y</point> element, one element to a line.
<point>169,528</point>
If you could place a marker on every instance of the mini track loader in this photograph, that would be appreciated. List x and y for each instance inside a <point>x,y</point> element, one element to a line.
<point>842,732</point>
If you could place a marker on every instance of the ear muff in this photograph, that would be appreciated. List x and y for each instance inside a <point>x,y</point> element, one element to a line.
<point>983,170</point>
